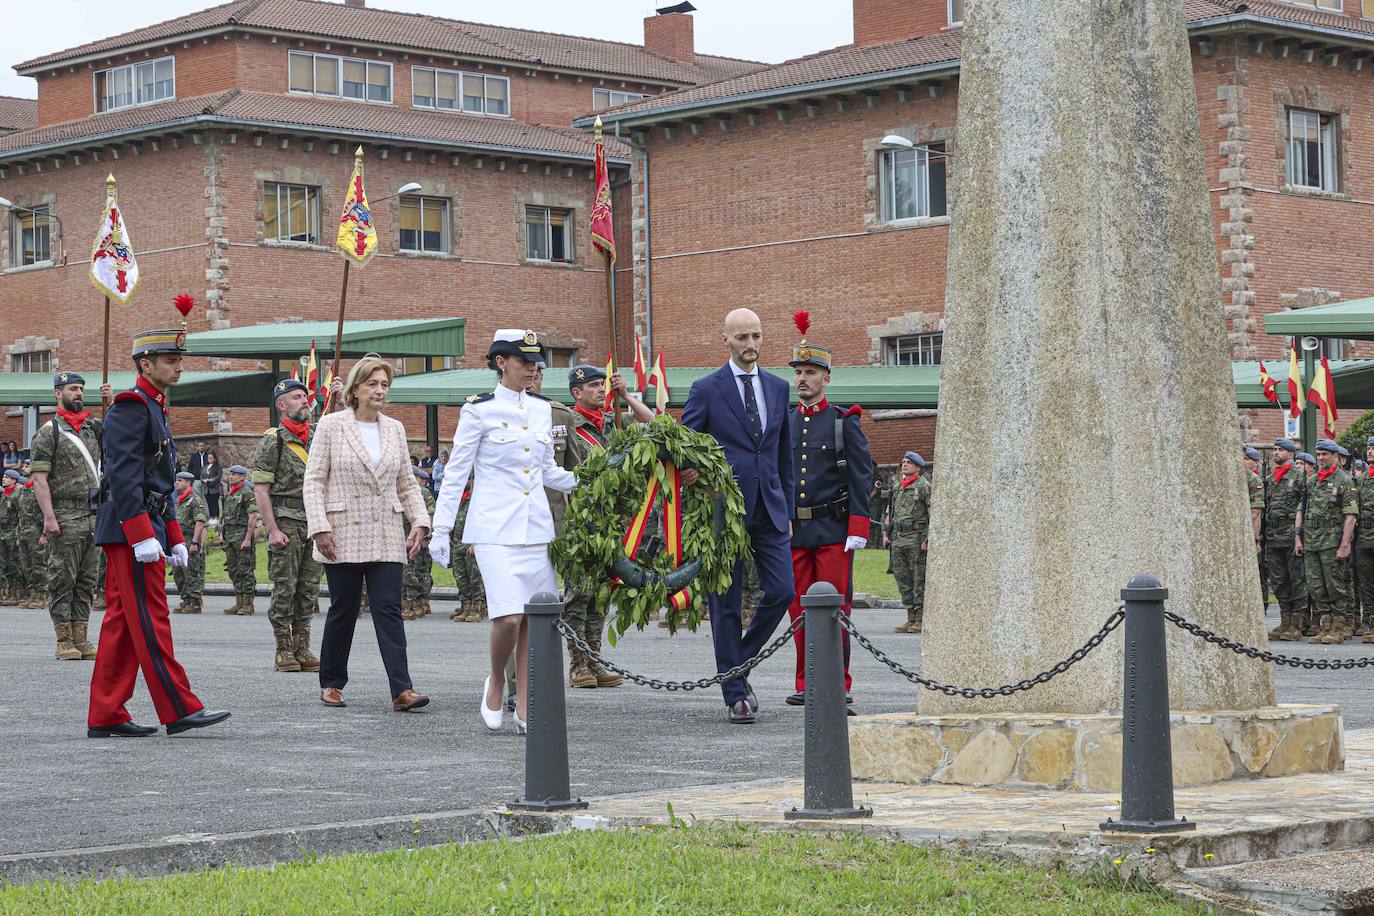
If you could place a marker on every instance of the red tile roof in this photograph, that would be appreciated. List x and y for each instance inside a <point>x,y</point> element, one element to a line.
<point>420,32</point>
<point>17,114</point>
<point>331,117</point>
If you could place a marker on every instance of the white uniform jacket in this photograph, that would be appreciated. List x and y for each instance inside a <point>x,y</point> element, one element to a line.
<point>504,440</point>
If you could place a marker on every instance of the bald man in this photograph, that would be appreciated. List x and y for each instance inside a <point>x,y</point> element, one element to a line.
<point>746,410</point>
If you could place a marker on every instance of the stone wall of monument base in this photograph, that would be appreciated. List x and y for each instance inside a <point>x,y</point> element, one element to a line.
<point>1083,753</point>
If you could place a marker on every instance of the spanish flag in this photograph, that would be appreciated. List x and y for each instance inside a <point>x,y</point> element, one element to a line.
<point>1323,394</point>
<point>660,380</point>
<point>641,375</point>
<point>610,391</point>
<point>326,392</point>
<point>1267,385</point>
<point>312,376</point>
<point>1294,382</point>
<point>357,238</point>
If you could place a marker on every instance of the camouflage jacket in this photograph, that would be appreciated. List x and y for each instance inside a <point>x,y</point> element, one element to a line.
<point>1329,501</point>
<point>189,511</point>
<point>909,513</point>
<point>237,509</point>
<point>280,463</point>
<point>70,480</point>
<point>567,454</point>
<point>9,513</point>
<point>1282,501</point>
<point>30,514</point>
<point>1364,491</point>
<point>1256,490</point>
<point>429,507</point>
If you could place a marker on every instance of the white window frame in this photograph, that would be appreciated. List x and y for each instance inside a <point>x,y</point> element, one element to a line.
<point>134,91</point>
<point>615,97</point>
<point>1328,166</point>
<point>272,196</point>
<point>569,229</point>
<point>23,362</point>
<point>928,349</point>
<point>1326,6</point>
<point>444,235</point>
<point>887,182</point>
<point>463,77</point>
<point>339,61</point>
<point>962,3</point>
<point>42,212</point>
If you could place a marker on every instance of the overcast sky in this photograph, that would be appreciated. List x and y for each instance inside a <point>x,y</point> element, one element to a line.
<point>768,30</point>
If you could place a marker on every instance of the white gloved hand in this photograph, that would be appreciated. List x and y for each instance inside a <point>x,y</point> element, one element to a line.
<point>180,555</point>
<point>148,551</point>
<point>439,546</point>
<point>853,543</point>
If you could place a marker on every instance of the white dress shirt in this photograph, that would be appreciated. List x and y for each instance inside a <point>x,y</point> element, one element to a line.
<point>505,443</point>
<point>743,378</point>
<point>372,438</point>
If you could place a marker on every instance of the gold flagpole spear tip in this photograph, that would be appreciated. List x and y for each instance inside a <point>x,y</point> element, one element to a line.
<point>110,181</point>
<point>598,127</point>
<point>358,152</point>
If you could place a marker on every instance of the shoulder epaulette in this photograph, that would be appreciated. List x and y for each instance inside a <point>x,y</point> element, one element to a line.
<point>269,431</point>
<point>855,411</point>
<point>132,394</point>
<point>539,396</point>
<point>479,398</point>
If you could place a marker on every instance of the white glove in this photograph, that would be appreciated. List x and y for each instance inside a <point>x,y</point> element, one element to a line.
<point>853,543</point>
<point>180,555</point>
<point>148,551</point>
<point>439,546</point>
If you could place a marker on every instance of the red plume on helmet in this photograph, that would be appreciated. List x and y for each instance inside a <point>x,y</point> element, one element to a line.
<point>184,303</point>
<point>802,319</point>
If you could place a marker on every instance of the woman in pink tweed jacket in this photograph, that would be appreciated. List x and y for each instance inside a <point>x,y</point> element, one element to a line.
<point>358,481</point>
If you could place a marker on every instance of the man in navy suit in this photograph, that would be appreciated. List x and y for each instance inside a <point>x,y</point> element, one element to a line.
<point>745,409</point>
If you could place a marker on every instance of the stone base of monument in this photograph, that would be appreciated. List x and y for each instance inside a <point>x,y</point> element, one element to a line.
<point>1083,752</point>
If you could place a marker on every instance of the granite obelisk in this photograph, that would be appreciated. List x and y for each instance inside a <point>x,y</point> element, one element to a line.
<point>1087,427</point>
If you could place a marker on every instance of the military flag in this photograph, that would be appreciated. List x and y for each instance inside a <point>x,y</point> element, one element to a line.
<point>1267,385</point>
<point>1323,394</point>
<point>1294,382</point>
<point>296,373</point>
<point>611,396</point>
<point>641,376</point>
<point>326,391</point>
<point>603,228</point>
<point>357,238</point>
<point>114,271</point>
<point>312,375</point>
<point>660,380</point>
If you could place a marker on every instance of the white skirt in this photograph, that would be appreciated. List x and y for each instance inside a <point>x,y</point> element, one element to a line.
<point>512,575</point>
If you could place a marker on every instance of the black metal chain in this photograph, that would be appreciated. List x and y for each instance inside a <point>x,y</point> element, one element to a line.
<point>1291,661</point>
<point>654,683</point>
<point>987,693</point>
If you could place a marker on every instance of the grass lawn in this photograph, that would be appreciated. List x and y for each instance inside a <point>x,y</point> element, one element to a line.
<point>660,870</point>
<point>870,571</point>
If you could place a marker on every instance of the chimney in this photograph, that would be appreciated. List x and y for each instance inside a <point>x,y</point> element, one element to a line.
<point>879,22</point>
<point>356,3</point>
<point>670,34</point>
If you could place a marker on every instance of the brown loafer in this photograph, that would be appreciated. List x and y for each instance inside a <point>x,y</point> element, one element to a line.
<point>407,700</point>
<point>332,696</point>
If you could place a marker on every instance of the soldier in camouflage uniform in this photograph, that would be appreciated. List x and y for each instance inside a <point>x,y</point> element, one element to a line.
<point>9,544</point>
<point>1364,542</point>
<point>193,518</point>
<point>34,553</point>
<point>418,580</point>
<point>1285,490</point>
<point>66,462</point>
<point>908,521</point>
<point>1325,537</point>
<point>238,527</point>
<point>278,485</point>
<point>466,575</point>
<point>1255,488</point>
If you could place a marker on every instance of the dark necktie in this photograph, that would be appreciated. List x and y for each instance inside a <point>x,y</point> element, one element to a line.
<point>751,407</point>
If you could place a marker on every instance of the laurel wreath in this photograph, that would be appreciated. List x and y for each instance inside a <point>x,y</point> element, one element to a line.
<point>590,555</point>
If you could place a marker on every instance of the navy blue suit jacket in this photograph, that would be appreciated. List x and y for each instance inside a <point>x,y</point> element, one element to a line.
<point>140,459</point>
<point>763,468</point>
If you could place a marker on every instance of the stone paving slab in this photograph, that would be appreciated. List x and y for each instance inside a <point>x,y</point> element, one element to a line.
<point>1321,882</point>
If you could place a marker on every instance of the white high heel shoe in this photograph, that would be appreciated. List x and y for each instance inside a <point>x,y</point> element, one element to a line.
<point>491,718</point>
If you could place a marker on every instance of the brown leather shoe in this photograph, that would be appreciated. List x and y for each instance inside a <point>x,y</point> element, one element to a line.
<point>332,696</point>
<point>408,700</point>
<point>741,713</point>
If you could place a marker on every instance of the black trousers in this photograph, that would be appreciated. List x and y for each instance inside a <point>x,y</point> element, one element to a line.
<point>346,581</point>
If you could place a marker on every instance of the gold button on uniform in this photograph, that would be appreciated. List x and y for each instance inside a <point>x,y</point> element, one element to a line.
<point>527,448</point>
<point>527,470</point>
<point>527,492</point>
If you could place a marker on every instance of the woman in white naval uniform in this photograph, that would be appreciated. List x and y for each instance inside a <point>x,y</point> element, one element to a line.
<point>504,440</point>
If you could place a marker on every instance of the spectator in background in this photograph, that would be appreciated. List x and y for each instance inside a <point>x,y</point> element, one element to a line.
<point>195,464</point>
<point>12,456</point>
<point>427,461</point>
<point>437,474</point>
<point>211,480</point>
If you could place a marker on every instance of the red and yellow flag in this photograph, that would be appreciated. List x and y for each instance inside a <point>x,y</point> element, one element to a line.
<point>610,371</point>
<point>1323,394</point>
<point>672,525</point>
<point>603,227</point>
<point>326,395</point>
<point>1267,385</point>
<point>1295,398</point>
<point>660,380</point>
<point>357,238</point>
<point>641,376</point>
<point>312,375</point>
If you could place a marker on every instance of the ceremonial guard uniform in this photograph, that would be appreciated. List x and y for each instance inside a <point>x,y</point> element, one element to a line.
<point>909,527</point>
<point>193,518</point>
<point>67,451</point>
<point>137,528</point>
<point>1321,525</point>
<point>238,520</point>
<point>418,580</point>
<point>834,485</point>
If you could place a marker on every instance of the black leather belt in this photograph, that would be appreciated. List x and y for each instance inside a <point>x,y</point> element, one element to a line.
<point>157,503</point>
<point>837,509</point>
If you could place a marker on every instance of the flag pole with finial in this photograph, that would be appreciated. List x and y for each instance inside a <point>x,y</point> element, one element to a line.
<point>105,359</point>
<point>356,241</point>
<point>603,239</point>
<point>113,267</point>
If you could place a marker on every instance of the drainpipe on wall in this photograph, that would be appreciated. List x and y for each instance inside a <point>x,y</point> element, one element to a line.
<point>648,256</point>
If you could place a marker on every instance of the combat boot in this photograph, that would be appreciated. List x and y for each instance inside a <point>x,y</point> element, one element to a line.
<point>603,677</point>
<point>1323,628</point>
<point>457,615</point>
<point>40,598</point>
<point>474,611</point>
<point>193,606</point>
<point>1278,634</point>
<point>425,609</point>
<point>66,651</point>
<point>246,605</point>
<point>300,648</point>
<point>233,609</point>
<point>1336,634</point>
<point>579,675</point>
<point>83,645</point>
<point>30,600</point>
<point>99,603</point>
<point>405,608</point>
<point>286,657</point>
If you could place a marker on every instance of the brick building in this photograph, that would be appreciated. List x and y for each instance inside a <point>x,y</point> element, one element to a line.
<point>807,209</point>
<point>231,133</point>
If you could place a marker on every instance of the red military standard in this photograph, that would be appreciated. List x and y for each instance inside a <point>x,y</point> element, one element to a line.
<point>834,478</point>
<point>137,529</point>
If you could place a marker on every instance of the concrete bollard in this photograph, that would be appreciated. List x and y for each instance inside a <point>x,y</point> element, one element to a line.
<point>547,786</point>
<point>829,783</point>
<point>1147,767</point>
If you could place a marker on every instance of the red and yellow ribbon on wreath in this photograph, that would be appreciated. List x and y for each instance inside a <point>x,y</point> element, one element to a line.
<point>672,525</point>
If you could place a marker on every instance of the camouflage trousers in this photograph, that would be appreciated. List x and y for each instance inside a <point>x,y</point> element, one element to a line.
<point>9,564</point>
<point>1364,567</point>
<point>33,562</point>
<point>1264,579</point>
<point>1328,581</point>
<point>190,579</point>
<point>579,610</point>
<point>909,569</point>
<point>418,579</point>
<point>295,575</point>
<point>1287,576</point>
<point>240,563</point>
<point>467,576</point>
<point>73,570</point>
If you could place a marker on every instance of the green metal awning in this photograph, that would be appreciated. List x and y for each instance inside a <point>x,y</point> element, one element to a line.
<point>1352,320</point>
<point>434,337</point>
<point>1354,380</point>
<point>197,389</point>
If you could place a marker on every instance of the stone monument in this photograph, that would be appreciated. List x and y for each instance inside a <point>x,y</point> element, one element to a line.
<point>1087,428</point>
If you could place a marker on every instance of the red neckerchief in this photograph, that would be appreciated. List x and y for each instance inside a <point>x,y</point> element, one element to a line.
<point>28,485</point>
<point>1369,472</point>
<point>595,417</point>
<point>9,490</point>
<point>300,430</point>
<point>820,405</point>
<point>234,488</point>
<point>158,396</point>
<point>1322,475</point>
<point>182,498</point>
<point>908,481</point>
<point>74,420</point>
<point>1281,471</point>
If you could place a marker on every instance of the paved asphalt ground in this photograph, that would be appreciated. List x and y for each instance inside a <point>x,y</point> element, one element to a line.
<point>285,760</point>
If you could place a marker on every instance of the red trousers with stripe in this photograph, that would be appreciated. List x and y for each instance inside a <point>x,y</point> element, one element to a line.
<point>136,635</point>
<point>827,563</point>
